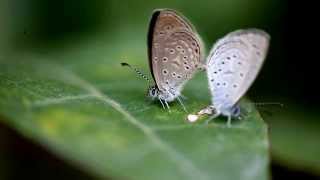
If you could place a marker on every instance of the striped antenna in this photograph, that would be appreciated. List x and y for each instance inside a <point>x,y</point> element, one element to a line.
<point>137,71</point>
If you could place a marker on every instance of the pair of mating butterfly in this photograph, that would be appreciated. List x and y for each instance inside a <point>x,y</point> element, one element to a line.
<point>176,52</point>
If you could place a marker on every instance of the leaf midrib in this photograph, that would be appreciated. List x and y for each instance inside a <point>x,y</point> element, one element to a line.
<point>186,166</point>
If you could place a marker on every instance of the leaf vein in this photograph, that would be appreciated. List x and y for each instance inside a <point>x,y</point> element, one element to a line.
<point>186,166</point>
<point>51,101</point>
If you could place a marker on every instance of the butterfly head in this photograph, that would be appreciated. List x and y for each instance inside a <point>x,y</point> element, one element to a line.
<point>153,92</point>
<point>233,111</point>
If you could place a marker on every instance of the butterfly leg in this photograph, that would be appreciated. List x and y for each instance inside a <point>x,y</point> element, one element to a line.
<point>211,118</point>
<point>180,101</point>
<point>243,114</point>
<point>162,103</point>
<point>183,97</point>
<point>166,103</point>
<point>229,121</point>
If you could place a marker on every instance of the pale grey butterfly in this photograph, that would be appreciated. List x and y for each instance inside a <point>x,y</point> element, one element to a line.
<point>232,65</point>
<point>175,53</point>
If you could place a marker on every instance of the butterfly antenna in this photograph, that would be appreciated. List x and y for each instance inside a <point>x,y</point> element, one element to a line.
<point>265,111</point>
<point>268,103</point>
<point>137,71</point>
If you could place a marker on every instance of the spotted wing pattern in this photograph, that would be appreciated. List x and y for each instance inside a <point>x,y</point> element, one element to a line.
<point>175,50</point>
<point>234,63</point>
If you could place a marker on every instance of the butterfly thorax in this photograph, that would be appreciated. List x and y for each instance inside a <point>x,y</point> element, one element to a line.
<point>155,93</point>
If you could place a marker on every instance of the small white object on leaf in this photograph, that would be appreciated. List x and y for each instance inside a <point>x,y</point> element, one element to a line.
<point>192,118</point>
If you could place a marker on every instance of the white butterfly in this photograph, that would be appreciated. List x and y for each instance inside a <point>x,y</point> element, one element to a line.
<point>232,65</point>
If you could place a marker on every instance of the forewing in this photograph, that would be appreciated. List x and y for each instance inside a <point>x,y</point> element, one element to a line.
<point>176,50</point>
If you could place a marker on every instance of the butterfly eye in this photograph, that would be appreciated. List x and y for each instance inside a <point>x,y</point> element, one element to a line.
<point>236,111</point>
<point>153,91</point>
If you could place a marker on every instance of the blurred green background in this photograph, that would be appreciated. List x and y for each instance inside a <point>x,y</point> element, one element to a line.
<point>49,27</point>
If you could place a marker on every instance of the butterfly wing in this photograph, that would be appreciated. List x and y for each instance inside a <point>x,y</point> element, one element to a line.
<point>175,50</point>
<point>234,63</point>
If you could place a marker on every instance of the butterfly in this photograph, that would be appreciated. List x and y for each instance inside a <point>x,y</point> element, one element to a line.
<point>232,66</point>
<point>175,54</point>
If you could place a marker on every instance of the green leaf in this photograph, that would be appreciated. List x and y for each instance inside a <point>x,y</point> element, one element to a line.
<point>295,137</point>
<point>84,107</point>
